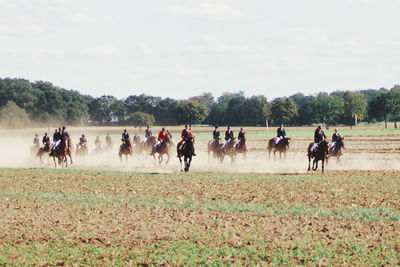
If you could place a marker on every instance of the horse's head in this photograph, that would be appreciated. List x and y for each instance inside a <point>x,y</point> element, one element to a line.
<point>324,146</point>
<point>167,139</point>
<point>339,143</point>
<point>285,141</point>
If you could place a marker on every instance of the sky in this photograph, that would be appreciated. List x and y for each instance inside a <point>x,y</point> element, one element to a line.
<point>182,48</point>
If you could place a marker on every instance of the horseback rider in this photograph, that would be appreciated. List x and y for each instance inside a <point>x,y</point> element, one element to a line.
<point>108,139</point>
<point>64,132</point>
<point>280,134</point>
<point>125,136</point>
<point>46,140</point>
<point>161,136</point>
<point>319,136</point>
<point>147,134</point>
<point>216,135</point>
<point>336,136</point>
<point>36,142</point>
<point>57,138</point>
<point>82,142</point>
<point>186,134</point>
<point>97,142</point>
<point>241,137</point>
<point>228,136</point>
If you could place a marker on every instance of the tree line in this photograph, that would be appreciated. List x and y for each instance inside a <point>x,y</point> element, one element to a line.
<point>24,103</point>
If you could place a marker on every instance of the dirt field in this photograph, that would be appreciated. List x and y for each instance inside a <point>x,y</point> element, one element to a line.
<point>256,211</point>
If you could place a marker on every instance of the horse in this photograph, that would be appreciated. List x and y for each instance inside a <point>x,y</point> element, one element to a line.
<point>98,150</point>
<point>229,150</point>
<point>320,153</point>
<point>147,146</point>
<point>45,149</point>
<point>282,146</point>
<point>161,149</point>
<point>214,147</point>
<point>186,151</point>
<point>125,149</point>
<point>337,150</point>
<point>34,149</point>
<point>61,152</point>
<point>81,151</point>
<point>240,147</point>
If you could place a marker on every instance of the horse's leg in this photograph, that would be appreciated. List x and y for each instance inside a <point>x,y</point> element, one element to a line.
<point>159,158</point>
<point>309,162</point>
<point>167,158</point>
<point>323,160</point>
<point>180,160</point>
<point>316,165</point>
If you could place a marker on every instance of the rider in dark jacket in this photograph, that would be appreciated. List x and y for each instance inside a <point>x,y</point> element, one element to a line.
<point>228,136</point>
<point>216,134</point>
<point>319,135</point>
<point>125,136</point>
<point>280,134</point>
<point>336,136</point>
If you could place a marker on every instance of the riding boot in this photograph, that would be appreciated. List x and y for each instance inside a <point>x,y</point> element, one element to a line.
<point>194,154</point>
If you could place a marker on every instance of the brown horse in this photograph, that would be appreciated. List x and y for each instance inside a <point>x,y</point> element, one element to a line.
<point>61,152</point>
<point>240,147</point>
<point>337,150</point>
<point>125,149</point>
<point>214,146</point>
<point>320,153</point>
<point>228,150</point>
<point>44,150</point>
<point>147,146</point>
<point>282,146</point>
<point>81,151</point>
<point>161,149</point>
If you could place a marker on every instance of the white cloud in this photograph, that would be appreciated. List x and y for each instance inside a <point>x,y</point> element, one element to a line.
<point>90,19</point>
<point>208,11</point>
<point>21,29</point>
<point>8,4</point>
<point>377,2</point>
<point>101,50</point>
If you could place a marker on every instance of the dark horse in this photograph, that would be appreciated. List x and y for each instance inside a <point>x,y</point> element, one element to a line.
<point>186,151</point>
<point>337,150</point>
<point>214,146</point>
<point>125,149</point>
<point>44,150</point>
<point>240,147</point>
<point>320,153</point>
<point>162,148</point>
<point>146,147</point>
<point>61,152</point>
<point>282,146</point>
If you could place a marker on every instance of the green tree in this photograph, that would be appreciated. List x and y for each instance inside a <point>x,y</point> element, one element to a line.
<point>380,107</point>
<point>13,117</point>
<point>205,99</point>
<point>283,110</point>
<point>328,109</point>
<point>140,119</point>
<point>354,106</point>
<point>394,104</point>
<point>190,112</point>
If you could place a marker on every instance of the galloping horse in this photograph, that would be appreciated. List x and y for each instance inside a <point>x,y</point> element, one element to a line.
<point>44,150</point>
<point>81,151</point>
<point>229,150</point>
<point>214,146</point>
<point>337,150</point>
<point>61,152</point>
<point>125,149</point>
<point>282,146</point>
<point>321,153</point>
<point>240,147</point>
<point>146,147</point>
<point>185,151</point>
<point>162,148</point>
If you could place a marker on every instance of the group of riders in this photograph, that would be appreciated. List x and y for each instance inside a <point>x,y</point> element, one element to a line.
<point>186,134</point>
<point>319,136</point>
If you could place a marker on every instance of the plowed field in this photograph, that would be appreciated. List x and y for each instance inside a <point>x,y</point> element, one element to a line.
<point>87,217</point>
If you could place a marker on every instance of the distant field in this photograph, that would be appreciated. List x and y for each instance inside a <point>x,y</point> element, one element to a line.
<point>205,132</point>
<point>89,217</point>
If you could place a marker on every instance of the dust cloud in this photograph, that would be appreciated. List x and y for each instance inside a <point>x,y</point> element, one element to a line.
<point>359,155</point>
